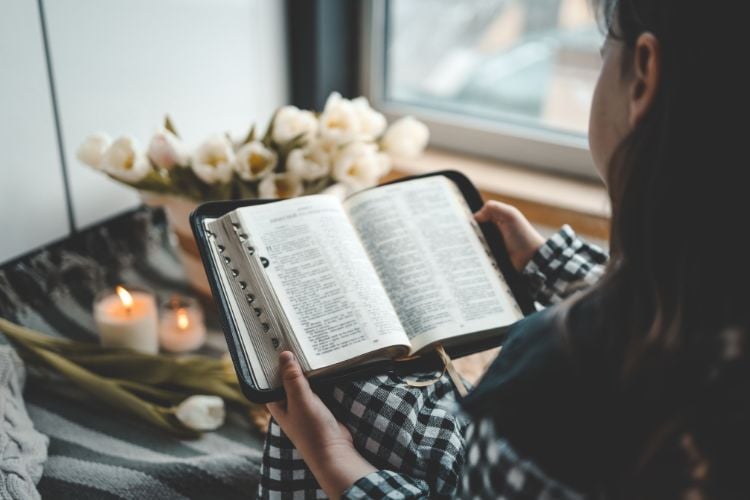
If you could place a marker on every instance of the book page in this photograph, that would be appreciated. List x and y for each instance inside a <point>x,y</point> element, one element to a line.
<point>432,260</point>
<point>322,275</point>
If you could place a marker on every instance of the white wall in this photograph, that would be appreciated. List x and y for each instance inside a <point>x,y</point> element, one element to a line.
<point>33,210</point>
<point>119,66</point>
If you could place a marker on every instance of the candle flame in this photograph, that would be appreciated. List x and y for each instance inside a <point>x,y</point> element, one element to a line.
<point>182,319</point>
<point>125,297</point>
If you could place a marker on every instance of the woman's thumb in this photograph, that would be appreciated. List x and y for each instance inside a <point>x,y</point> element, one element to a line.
<point>495,211</point>
<point>295,383</point>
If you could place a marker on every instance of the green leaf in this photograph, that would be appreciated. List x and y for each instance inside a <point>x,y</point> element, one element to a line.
<point>246,189</point>
<point>267,142</point>
<point>154,181</point>
<point>108,391</point>
<point>220,191</point>
<point>250,137</point>
<point>298,141</point>
<point>283,150</point>
<point>185,183</point>
<point>145,386</point>
<point>229,138</point>
<point>316,186</point>
<point>170,126</point>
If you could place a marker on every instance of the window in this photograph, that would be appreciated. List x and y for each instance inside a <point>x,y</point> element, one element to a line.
<point>510,79</point>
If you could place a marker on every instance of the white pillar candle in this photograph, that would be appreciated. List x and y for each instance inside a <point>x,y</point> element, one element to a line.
<point>182,327</point>
<point>128,318</point>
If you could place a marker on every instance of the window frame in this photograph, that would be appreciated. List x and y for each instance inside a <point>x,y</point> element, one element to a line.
<point>546,149</point>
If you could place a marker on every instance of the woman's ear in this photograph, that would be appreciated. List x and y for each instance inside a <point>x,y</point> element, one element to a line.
<point>646,76</point>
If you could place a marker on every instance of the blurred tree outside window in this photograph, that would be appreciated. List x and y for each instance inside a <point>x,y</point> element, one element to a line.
<point>532,63</point>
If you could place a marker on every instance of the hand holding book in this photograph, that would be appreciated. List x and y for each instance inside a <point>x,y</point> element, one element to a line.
<point>387,274</point>
<point>521,239</point>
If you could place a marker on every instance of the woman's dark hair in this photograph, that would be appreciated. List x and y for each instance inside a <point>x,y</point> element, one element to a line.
<point>675,297</point>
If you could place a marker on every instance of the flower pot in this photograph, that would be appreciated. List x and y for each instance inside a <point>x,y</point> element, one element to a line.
<point>177,211</point>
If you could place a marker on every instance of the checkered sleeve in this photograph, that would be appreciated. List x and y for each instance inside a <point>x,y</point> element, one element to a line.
<point>422,444</point>
<point>492,470</point>
<point>387,484</point>
<point>562,266</point>
<point>395,426</point>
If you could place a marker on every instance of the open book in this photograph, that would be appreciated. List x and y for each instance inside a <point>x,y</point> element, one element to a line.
<point>384,275</point>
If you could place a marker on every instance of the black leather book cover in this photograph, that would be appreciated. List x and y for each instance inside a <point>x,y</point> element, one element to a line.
<point>427,362</point>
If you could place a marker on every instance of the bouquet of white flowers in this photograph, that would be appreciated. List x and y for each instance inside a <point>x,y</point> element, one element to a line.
<point>300,152</point>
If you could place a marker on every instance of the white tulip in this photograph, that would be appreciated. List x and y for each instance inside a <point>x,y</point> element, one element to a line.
<point>254,161</point>
<point>310,163</point>
<point>406,138</point>
<point>290,122</point>
<point>340,121</point>
<point>91,151</point>
<point>201,413</point>
<point>371,123</point>
<point>124,160</point>
<point>330,148</point>
<point>275,186</point>
<point>167,151</point>
<point>213,161</point>
<point>360,165</point>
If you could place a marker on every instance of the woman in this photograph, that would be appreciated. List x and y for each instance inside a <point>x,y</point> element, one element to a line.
<point>638,387</point>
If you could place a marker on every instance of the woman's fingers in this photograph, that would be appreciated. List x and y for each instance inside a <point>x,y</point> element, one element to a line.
<point>521,239</point>
<point>495,211</point>
<point>483,214</point>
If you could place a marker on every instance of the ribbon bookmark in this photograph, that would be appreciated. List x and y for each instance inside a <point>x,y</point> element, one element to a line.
<point>447,366</point>
<point>452,373</point>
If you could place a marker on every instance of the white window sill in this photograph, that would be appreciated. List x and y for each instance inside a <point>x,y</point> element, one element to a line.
<point>584,197</point>
<point>546,198</point>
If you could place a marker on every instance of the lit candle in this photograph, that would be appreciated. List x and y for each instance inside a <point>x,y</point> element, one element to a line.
<point>182,327</point>
<point>128,318</point>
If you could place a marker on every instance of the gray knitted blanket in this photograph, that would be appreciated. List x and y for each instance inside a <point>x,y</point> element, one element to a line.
<point>94,452</point>
<point>23,449</point>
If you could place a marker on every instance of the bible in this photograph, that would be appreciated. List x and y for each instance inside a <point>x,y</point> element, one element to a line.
<point>357,286</point>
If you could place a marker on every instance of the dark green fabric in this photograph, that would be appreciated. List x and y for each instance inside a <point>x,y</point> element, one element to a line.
<point>551,396</point>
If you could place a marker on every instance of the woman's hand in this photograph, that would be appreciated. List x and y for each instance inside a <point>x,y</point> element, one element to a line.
<point>521,239</point>
<point>324,443</point>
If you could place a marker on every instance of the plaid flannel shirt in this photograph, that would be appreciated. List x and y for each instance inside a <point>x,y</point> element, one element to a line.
<point>418,437</point>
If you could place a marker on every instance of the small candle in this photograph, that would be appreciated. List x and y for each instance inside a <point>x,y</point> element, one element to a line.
<point>127,318</point>
<point>182,327</point>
